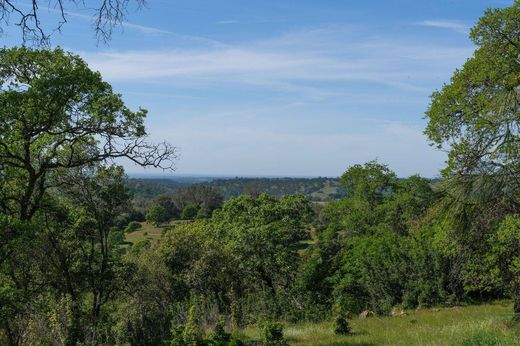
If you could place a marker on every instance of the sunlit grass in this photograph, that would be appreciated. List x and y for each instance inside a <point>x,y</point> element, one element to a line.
<point>147,231</point>
<point>150,232</point>
<point>487,324</point>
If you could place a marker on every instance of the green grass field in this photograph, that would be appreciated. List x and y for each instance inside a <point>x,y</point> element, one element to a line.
<point>468,326</point>
<point>147,231</point>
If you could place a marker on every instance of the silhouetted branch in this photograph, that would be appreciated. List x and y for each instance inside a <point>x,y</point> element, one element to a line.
<point>106,15</point>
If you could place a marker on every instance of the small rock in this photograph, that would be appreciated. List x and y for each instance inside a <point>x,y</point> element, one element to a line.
<point>366,314</point>
<point>397,312</point>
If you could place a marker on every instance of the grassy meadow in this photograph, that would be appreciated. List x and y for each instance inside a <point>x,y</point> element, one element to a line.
<point>147,231</point>
<point>487,324</point>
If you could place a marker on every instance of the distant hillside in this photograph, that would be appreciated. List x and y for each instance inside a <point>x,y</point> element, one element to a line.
<point>149,188</point>
<point>318,189</point>
<point>314,188</point>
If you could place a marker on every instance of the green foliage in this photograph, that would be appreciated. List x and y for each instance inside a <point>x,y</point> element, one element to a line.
<point>219,335</point>
<point>505,255</point>
<point>373,274</point>
<point>319,189</point>
<point>60,127</point>
<point>66,275</point>
<point>204,197</point>
<point>132,227</point>
<point>116,237</point>
<point>369,182</point>
<point>264,235</point>
<point>273,334</point>
<point>475,116</point>
<point>192,334</point>
<point>363,259</point>
<point>341,326</point>
<point>190,212</point>
<point>156,215</point>
<point>177,336</point>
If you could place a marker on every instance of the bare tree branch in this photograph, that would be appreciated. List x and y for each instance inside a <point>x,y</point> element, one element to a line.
<point>106,15</point>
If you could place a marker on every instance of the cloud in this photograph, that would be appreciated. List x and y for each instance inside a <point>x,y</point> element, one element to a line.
<point>238,148</point>
<point>292,63</point>
<point>228,21</point>
<point>446,24</point>
<point>142,28</point>
<point>145,29</point>
<point>309,102</point>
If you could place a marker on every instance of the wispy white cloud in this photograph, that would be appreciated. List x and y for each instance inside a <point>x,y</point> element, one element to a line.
<point>294,62</point>
<point>141,28</point>
<point>145,29</point>
<point>333,90</point>
<point>446,24</point>
<point>228,21</point>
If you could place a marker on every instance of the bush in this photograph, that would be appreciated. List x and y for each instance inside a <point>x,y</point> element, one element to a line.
<point>219,335</point>
<point>177,336</point>
<point>156,215</point>
<point>116,237</point>
<point>341,326</point>
<point>273,334</point>
<point>140,246</point>
<point>190,212</point>
<point>192,334</point>
<point>132,227</point>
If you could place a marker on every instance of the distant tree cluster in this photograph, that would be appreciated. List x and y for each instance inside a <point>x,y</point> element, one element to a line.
<point>188,203</point>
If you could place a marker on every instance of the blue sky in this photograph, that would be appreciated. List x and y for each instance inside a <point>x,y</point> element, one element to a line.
<point>284,88</point>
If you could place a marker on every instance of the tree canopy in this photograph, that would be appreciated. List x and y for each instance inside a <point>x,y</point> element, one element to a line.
<point>475,117</point>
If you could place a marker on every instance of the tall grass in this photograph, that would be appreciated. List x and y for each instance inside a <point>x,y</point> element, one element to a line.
<point>487,324</point>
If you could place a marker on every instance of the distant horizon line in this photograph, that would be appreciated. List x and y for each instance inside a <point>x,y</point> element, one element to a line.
<point>231,176</point>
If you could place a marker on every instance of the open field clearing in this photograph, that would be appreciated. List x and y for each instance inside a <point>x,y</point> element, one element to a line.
<point>487,324</point>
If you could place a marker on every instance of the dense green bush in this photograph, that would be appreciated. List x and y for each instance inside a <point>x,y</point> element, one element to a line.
<point>133,226</point>
<point>219,336</point>
<point>192,334</point>
<point>190,212</point>
<point>156,215</point>
<point>273,334</point>
<point>341,326</point>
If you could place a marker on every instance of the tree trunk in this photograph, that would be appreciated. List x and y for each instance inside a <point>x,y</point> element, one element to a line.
<point>96,309</point>
<point>74,331</point>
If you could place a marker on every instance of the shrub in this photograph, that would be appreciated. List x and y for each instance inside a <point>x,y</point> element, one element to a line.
<point>140,246</point>
<point>132,227</point>
<point>341,326</point>
<point>219,335</point>
<point>116,237</point>
<point>273,334</point>
<point>190,212</point>
<point>177,336</point>
<point>156,215</point>
<point>192,334</point>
